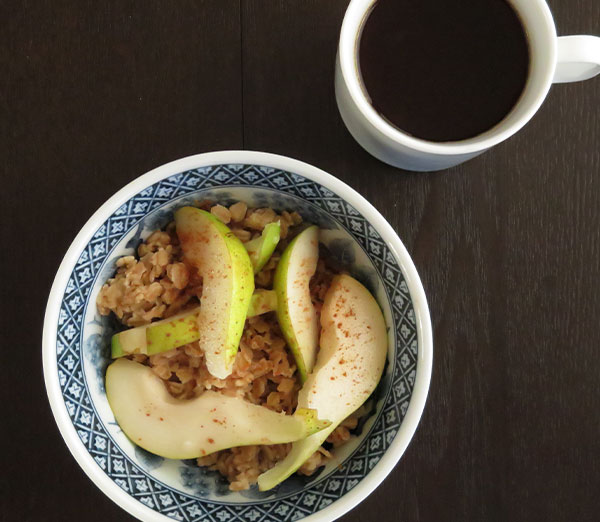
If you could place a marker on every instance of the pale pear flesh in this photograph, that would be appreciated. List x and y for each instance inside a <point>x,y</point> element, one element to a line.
<point>185,429</point>
<point>261,248</point>
<point>295,311</point>
<point>156,337</point>
<point>349,366</point>
<point>263,301</point>
<point>178,330</point>
<point>227,284</point>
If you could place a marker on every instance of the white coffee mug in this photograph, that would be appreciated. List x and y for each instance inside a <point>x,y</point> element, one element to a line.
<point>553,60</point>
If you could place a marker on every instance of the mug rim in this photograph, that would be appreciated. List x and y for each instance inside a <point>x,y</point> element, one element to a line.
<point>354,18</point>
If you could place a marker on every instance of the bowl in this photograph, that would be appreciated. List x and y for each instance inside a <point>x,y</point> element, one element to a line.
<point>76,342</point>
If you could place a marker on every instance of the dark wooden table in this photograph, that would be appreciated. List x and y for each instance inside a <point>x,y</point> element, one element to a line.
<point>93,94</point>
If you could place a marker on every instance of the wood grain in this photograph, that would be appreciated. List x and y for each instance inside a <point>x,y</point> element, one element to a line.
<point>93,94</point>
<point>507,245</point>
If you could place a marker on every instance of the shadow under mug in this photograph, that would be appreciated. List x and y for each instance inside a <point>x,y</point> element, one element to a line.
<point>553,60</point>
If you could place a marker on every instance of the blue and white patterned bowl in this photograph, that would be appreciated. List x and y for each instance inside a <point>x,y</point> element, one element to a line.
<point>76,342</point>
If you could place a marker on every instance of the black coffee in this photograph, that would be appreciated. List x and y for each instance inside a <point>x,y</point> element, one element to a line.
<point>443,70</point>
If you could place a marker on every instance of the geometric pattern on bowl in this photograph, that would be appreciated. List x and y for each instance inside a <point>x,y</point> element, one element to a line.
<point>82,348</point>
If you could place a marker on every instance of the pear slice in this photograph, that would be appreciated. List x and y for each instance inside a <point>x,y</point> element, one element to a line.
<point>162,336</point>
<point>349,365</point>
<point>295,311</point>
<point>157,337</point>
<point>177,429</point>
<point>262,302</point>
<point>227,284</point>
<point>261,248</point>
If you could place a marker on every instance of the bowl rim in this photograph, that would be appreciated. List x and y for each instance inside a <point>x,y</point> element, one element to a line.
<point>422,319</point>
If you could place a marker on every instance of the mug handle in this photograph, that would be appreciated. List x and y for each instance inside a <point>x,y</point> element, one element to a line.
<point>578,58</point>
